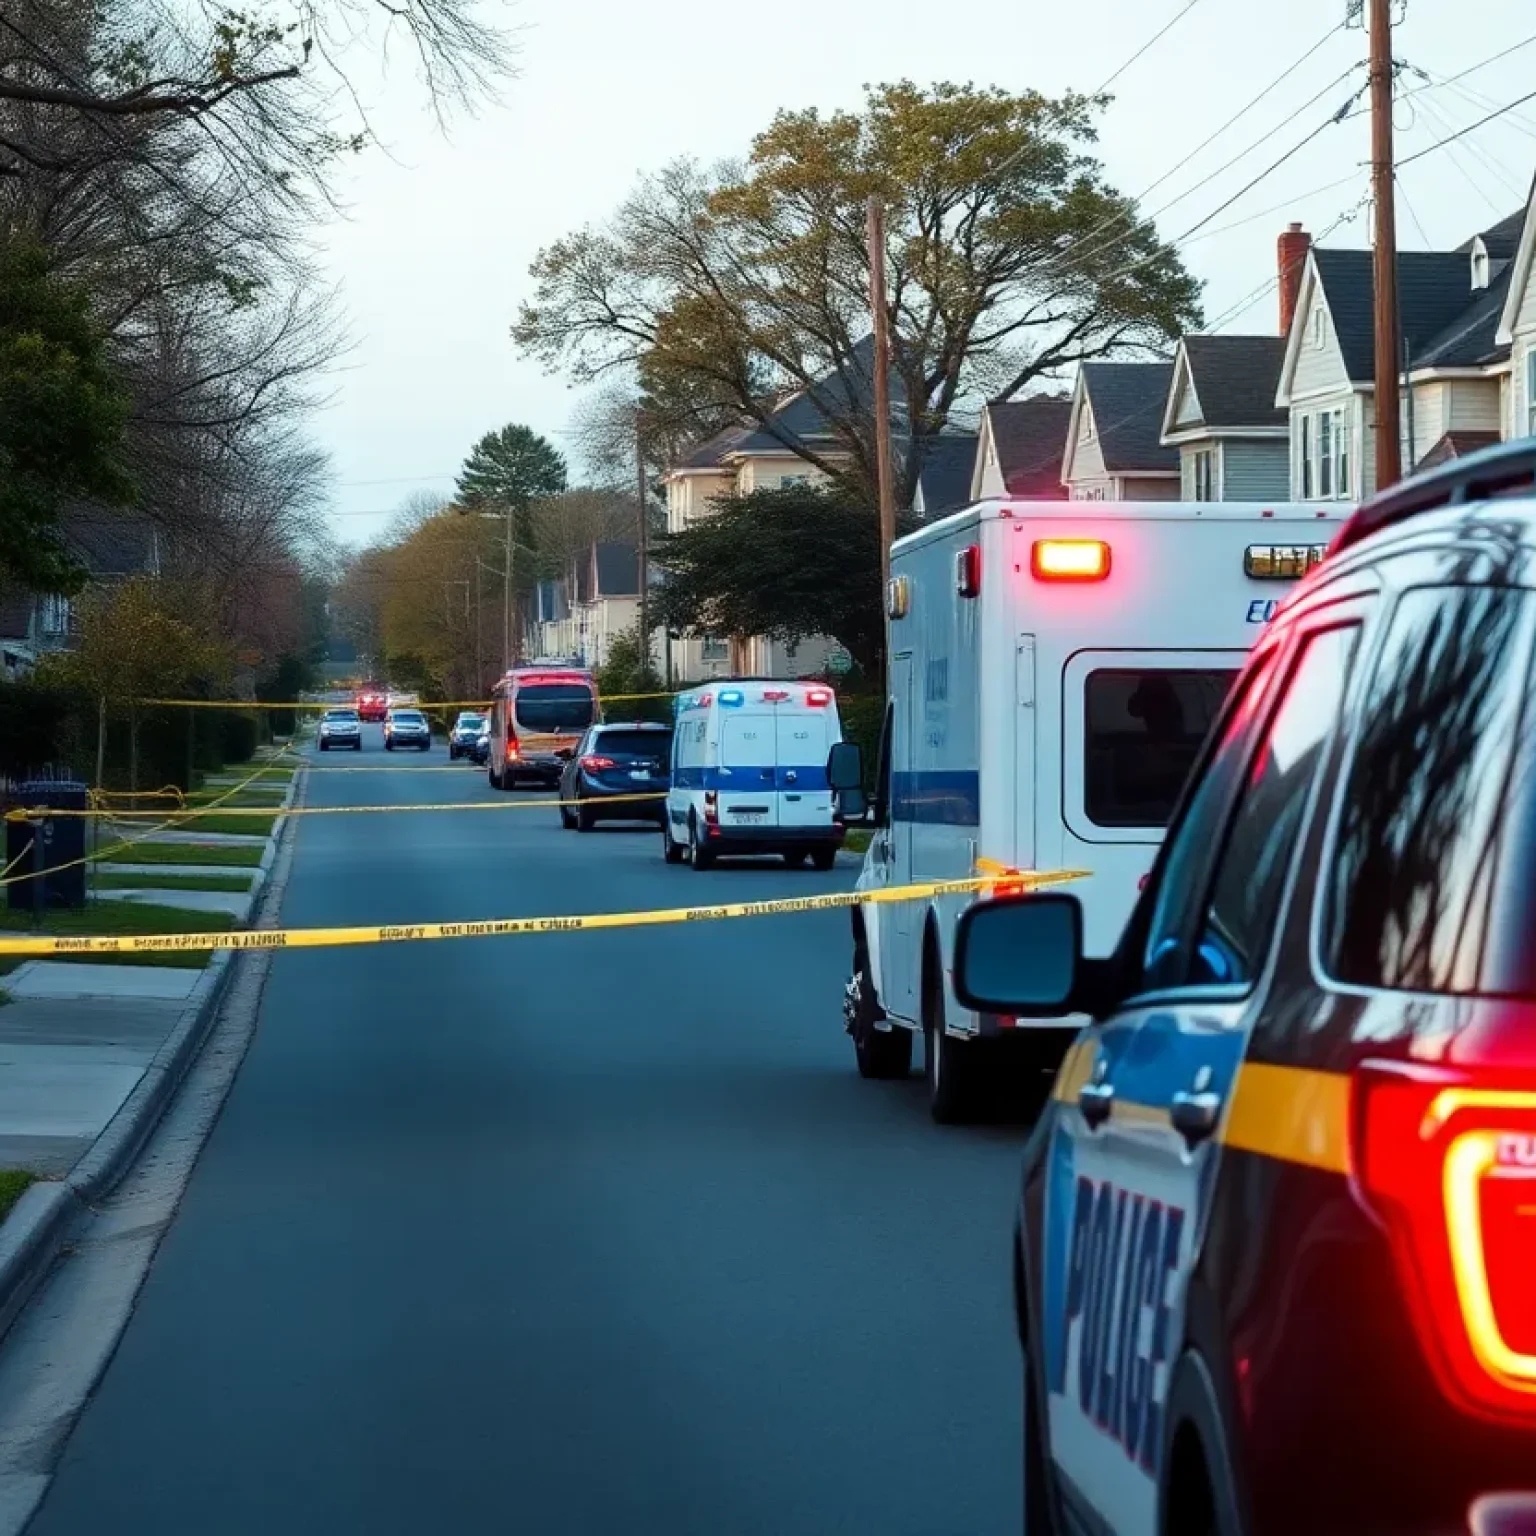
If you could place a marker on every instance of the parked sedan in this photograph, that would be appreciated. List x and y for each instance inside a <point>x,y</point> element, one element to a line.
<point>407,728</point>
<point>613,764</point>
<point>461,739</point>
<point>340,728</point>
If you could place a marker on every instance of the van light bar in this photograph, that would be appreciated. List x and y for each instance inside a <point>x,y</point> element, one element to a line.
<point>730,697</point>
<point>1069,560</point>
<point>774,695</point>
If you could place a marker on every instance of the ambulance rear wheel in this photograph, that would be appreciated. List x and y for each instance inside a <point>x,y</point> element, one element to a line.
<point>671,849</point>
<point>948,1064</point>
<point>699,856</point>
<point>795,858</point>
<point>823,858</point>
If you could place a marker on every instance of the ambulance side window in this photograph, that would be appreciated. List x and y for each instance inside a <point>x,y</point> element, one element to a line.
<point>1187,856</point>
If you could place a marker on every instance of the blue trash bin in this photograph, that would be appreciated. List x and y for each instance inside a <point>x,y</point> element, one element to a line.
<point>63,845</point>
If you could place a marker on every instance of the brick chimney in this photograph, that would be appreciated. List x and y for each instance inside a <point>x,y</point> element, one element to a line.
<point>1293,247</point>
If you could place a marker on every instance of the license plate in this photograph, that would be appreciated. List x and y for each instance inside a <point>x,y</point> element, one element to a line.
<point>750,816</point>
<point>639,773</point>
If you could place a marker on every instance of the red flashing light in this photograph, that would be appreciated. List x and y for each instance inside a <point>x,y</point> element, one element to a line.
<point>1069,560</point>
<point>594,764</point>
<point>774,695</point>
<point>1448,1162</point>
<point>818,698</point>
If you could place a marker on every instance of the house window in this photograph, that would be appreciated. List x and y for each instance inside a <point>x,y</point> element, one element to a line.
<point>787,480</point>
<point>715,649</point>
<point>1325,462</point>
<point>54,618</point>
<point>1319,326</point>
<point>1202,465</point>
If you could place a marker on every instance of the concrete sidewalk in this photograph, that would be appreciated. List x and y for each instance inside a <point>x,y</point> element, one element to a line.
<point>76,1038</point>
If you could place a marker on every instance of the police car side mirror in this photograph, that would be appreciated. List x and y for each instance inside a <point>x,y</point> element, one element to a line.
<point>1020,955</point>
<point>845,767</point>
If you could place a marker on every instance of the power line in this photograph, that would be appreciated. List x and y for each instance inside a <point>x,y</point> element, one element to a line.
<point>1461,133</point>
<point>1147,46</point>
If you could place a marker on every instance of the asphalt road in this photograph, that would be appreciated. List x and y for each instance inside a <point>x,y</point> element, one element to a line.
<point>582,1233</point>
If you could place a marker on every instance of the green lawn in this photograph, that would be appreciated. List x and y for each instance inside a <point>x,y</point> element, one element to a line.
<point>183,853</point>
<point>110,880</point>
<point>119,917</point>
<point>212,821</point>
<point>857,839</point>
<point>13,1184</point>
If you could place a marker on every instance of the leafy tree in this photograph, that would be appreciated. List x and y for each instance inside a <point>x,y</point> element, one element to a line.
<point>513,467</point>
<point>62,415</point>
<point>133,646</point>
<point>786,562</point>
<point>1009,259</point>
<point>626,673</point>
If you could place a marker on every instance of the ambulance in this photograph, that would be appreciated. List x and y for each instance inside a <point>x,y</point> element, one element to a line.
<point>1054,668</point>
<point>749,774</point>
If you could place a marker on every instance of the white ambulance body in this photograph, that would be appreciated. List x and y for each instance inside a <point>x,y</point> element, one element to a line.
<point>749,773</point>
<point>1054,667</point>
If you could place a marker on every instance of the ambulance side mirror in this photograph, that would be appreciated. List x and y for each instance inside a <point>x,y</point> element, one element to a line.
<point>845,776</point>
<point>1020,955</point>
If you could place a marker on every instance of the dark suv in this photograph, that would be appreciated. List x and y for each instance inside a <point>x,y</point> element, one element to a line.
<point>1276,1264</point>
<point>619,772</point>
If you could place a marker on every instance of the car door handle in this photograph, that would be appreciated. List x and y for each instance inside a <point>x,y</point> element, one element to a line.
<point>1096,1100</point>
<point>1194,1115</point>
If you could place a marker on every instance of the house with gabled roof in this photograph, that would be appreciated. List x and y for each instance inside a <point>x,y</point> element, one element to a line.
<point>1114,449</point>
<point>1460,311</point>
<point>1516,328</point>
<point>1232,440</point>
<point>1021,447</point>
<point>944,481</point>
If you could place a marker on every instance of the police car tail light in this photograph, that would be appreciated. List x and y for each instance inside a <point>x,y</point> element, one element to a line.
<point>1448,1161</point>
<point>1069,560</point>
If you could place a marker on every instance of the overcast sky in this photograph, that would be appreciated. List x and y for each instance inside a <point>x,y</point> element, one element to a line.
<point>433,258</point>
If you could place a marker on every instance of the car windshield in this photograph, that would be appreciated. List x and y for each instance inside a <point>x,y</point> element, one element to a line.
<point>564,707</point>
<point>470,722</point>
<point>408,717</point>
<point>341,716</point>
<point>651,744</point>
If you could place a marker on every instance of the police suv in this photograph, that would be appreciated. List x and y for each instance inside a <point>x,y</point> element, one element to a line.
<point>1274,1271</point>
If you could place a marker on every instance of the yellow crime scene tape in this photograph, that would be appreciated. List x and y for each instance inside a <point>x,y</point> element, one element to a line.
<point>332,938</point>
<point>168,819</point>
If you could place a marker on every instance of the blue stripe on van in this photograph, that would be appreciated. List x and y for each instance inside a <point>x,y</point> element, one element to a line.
<point>759,780</point>
<point>949,797</point>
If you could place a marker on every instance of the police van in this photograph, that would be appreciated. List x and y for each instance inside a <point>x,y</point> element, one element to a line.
<point>1273,1267</point>
<point>749,773</point>
<point>1054,668</point>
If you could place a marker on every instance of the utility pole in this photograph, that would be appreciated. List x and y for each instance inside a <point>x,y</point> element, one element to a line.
<point>1383,190</point>
<point>875,232</point>
<point>643,551</point>
<point>506,598</point>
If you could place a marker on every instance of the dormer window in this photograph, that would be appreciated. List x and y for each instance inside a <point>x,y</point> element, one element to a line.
<point>1319,326</point>
<point>1087,426</point>
<point>1482,267</point>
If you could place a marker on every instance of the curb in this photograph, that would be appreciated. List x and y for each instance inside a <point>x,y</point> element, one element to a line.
<point>32,1235</point>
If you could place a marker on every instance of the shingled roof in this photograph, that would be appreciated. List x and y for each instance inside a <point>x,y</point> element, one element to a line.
<point>1446,322</point>
<point>1234,379</point>
<point>945,478</point>
<point>1030,440</point>
<point>1128,401</point>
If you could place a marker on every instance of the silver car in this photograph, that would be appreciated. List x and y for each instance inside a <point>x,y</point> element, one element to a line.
<point>407,728</point>
<point>341,728</point>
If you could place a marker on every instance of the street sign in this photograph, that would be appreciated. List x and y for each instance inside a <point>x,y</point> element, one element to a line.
<point>839,660</point>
